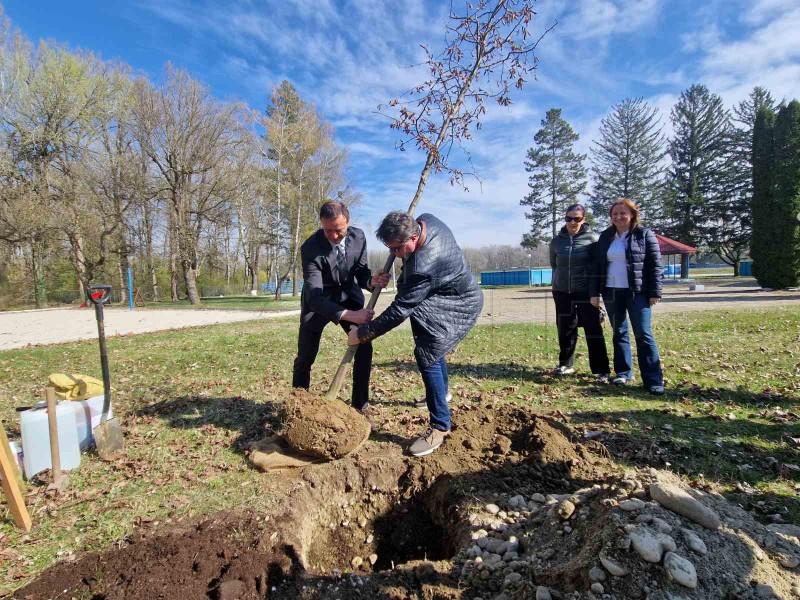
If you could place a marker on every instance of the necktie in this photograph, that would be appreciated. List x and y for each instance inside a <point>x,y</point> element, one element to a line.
<point>341,264</point>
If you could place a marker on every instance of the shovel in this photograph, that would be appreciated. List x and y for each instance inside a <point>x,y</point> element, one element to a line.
<point>107,434</point>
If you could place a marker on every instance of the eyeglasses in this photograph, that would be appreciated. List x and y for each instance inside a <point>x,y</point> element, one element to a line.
<point>573,219</point>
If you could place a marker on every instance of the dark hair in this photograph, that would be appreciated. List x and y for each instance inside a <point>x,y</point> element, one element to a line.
<point>632,207</point>
<point>579,207</point>
<point>334,209</point>
<point>397,226</point>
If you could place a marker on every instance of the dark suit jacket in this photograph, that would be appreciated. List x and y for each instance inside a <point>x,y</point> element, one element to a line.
<point>322,296</point>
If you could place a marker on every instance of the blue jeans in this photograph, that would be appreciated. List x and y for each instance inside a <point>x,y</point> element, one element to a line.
<point>436,384</point>
<point>620,301</point>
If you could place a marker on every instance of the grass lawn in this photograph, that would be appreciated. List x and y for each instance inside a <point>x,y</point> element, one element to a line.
<point>192,400</point>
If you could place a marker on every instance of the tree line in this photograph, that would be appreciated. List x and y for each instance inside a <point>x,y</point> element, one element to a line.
<point>699,186</point>
<point>102,169</point>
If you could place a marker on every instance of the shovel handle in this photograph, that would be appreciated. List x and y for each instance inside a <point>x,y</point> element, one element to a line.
<point>99,293</point>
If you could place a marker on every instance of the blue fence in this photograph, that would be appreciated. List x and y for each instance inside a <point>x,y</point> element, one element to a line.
<point>518,277</point>
<point>286,287</point>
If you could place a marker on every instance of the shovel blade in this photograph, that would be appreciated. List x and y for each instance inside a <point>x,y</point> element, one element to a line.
<point>108,439</point>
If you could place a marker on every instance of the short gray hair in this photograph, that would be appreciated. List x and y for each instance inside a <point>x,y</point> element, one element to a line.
<point>397,226</point>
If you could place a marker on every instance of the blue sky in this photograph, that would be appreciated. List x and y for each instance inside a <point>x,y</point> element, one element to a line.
<point>347,57</point>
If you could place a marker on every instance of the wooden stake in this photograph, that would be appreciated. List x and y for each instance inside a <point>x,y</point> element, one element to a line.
<point>11,489</point>
<point>59,480</point>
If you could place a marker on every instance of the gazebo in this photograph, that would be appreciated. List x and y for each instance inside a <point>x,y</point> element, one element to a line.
<point>673,248</point>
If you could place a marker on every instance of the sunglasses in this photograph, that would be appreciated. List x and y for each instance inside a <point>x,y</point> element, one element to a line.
<point>573,219</point>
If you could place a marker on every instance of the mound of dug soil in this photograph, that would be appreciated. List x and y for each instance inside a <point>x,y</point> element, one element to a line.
<point>508,508</point>
<point>322,428</point>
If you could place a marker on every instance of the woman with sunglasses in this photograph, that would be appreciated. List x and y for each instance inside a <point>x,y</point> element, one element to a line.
<point>627,269</point>
<point>571,260</point>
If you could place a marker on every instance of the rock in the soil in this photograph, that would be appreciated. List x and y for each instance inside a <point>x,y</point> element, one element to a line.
<point>661,525</point>
<point>564,509</point>
<point>538,498</point>
<point>492,509</point>
<point>517,502</point>
<point>373,558</point>
<point>694,542</point>
<point>543,593</point>
<point>597,574</point>
<point>788,561</point>
<point>785,529</point>
<point>512,579</point>
<point>613,567</point>
<point>597,588</point>
<point>678,501</point>
<point>632,504</point>
<point>357,562</point>
<point>231,590</point>
<point>502,445</point>
<point>681,570</point>
<point>763,590</point>
<point>650,545</point>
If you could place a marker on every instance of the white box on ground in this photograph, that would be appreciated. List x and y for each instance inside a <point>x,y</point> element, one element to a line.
<point>696,287</point>
<point>87,417</point>
<point>36,439</point>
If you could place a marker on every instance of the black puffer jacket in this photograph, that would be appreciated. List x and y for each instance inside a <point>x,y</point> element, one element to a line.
<point>571,260</point>
<point>437,291</point>
<point>644,262</point>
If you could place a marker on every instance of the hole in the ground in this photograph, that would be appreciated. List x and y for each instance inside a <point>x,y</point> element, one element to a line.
<point>401,531</point>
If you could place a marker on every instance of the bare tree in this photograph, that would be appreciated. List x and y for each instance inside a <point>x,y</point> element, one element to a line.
<point>489,42</point>
<point>189,137</point>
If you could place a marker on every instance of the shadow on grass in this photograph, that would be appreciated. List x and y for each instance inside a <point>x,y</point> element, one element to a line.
<point>476,371</point>
<point>249,419</point>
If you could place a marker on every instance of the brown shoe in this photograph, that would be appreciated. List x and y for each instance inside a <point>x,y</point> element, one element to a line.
<point>428,442</point>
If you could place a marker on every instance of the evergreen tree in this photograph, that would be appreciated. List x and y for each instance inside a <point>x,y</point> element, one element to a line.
<point>626,162</point>
<point>785,267</point>
<point>762,248</point>
<point>732,238</point>
<point>701,177</point>
<point>557,176</point>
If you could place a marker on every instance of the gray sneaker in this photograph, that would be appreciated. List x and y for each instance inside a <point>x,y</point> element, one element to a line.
<point>424,403</point>
<point>621,380</point>
<point>428,442</point>
<point>563,370</point>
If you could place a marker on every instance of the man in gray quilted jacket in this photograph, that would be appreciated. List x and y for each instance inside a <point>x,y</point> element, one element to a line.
<point>437,291</point>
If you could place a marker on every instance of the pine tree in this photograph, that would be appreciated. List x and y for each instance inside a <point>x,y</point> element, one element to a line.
<point>785,266</point>
<point>626,162</point>
<point>762,201</point>
<point>732,239</point>
<point>557,176</point>
<point>700,178</point>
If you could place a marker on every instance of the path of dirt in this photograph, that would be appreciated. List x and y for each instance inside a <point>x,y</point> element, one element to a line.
<point>521,305</point>
<point>53,326</point>
<point>515,305</point>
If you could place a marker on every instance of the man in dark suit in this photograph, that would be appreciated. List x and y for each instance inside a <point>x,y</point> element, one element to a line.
<point>334,271</point>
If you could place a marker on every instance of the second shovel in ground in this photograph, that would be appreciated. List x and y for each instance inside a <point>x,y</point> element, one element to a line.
<point>108,434</point>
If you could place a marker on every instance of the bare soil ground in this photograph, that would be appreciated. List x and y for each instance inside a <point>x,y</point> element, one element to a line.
<point>512,506</point>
